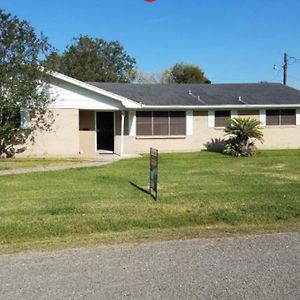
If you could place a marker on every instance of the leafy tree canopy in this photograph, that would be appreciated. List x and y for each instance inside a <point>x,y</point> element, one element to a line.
<point>21,51</point>
<point>90,59</point>
<point>184,73</point>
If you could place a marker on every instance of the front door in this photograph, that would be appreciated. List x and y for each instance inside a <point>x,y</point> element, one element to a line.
<point>105,131</point>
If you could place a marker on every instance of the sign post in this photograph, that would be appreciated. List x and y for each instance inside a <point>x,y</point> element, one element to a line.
<point>153,171</point>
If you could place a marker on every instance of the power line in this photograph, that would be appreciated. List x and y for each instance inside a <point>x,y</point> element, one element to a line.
<point>294,77</point>
<point>295,60</point>
<point>276,75</point>
<point>287,61</point>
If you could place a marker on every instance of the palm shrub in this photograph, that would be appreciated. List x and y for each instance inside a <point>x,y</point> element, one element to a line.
<point>242,134</point>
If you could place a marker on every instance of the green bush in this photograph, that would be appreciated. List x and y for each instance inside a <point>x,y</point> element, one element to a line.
<point>242,135</point>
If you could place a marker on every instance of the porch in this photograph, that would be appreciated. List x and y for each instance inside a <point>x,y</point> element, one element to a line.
<point>102,132</point>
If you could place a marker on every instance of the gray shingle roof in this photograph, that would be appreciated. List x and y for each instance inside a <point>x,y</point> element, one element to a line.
<point>210,94</point>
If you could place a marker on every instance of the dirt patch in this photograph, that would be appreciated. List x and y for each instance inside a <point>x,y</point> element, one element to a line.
<point>289,177</point>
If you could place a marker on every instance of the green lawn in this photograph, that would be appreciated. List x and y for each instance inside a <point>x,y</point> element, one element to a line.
<point>17,163</point>
<point>200,194</point>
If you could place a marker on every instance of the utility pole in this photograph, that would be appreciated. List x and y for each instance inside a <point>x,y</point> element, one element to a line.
<point>285,66</point>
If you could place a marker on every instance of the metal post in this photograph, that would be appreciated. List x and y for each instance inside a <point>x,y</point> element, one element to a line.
<point>285,66</point>
<point>122,132</point>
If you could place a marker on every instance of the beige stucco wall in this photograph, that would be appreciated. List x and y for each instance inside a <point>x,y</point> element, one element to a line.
<point>61,140</point>
<point>87,133</point>
<point>279,137</point>
<point>66,138</point>
<point>87,146</point>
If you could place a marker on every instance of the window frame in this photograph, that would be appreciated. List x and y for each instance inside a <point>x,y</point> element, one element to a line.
<point>215,117</point>
<point>280,114</point>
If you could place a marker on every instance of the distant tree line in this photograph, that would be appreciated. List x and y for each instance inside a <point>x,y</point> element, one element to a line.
<point>179,73</point>
<point>94,59</point>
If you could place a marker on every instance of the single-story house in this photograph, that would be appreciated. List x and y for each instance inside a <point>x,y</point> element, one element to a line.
<point>94,117</point>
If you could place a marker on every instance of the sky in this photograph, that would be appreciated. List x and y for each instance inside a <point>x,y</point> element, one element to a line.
<point>232,40</point>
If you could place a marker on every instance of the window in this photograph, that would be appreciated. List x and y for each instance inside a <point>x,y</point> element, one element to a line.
<point>160,123</point>
<point>144,123</point>
<point>281,117</point>
<point>288,117</point>
<point>168,123</point>
<point>221,117</point>
<point>272,117</point>
<point>177,123</point>
<point>86,120</point>
<point>19,118</point>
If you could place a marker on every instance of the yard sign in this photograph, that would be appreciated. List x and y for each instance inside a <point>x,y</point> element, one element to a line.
<point>153,171</point>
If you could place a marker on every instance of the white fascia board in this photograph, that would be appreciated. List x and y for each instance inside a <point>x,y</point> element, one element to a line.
<point>60,105</point>
<point>216,107</point>
<point>126,102</point>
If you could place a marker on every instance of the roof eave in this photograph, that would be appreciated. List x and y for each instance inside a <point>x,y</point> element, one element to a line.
<point>131,104</point>
<point>227,106</point>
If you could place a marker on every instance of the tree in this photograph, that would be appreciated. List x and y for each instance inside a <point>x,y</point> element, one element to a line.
<point>89,59</point>
<point>21,77</point>
<point>184,73</point>
<point>243,132</point>
<point>148,77</point>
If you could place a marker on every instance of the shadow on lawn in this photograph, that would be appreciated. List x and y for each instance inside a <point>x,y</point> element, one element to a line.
<point>141,189</point>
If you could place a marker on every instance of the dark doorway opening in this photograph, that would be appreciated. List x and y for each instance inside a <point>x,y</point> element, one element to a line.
<point>105,131</point>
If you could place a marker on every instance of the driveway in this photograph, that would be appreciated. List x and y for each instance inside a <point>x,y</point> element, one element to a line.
<point>251,267</point>
<point>63,166</point>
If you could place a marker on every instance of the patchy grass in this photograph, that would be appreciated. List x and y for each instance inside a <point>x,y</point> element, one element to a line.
<point>18,163</point>
<point>200,194</point>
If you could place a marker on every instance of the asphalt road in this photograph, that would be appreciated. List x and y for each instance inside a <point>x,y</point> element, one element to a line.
<point>252,267</point>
